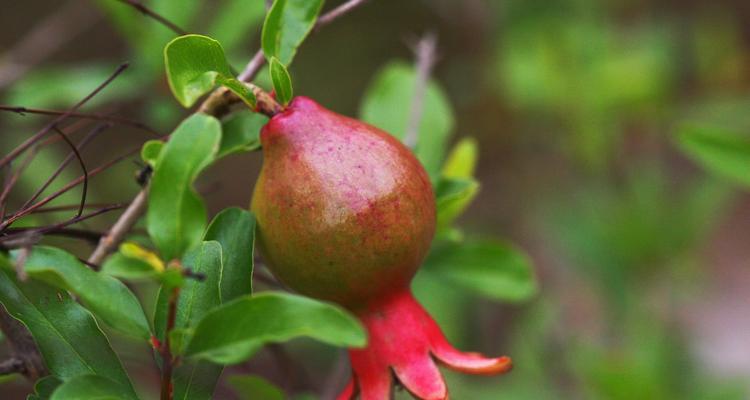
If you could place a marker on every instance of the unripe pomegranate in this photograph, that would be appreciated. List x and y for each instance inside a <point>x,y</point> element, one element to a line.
<point>346,213</point>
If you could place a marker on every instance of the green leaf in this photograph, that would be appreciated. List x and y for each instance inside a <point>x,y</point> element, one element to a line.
<point>387,104</point>
<point>176,215</point>
<point>105,296</point>
<point>195,65</point>
<point>490,268</point>
<point>722,152</point>
<point>236,330</point>
<point>151,150</point>
<point>91,387</point>
<point>462,160</point>
<point>133,262</point>
<point>44,387</point>
<point>253,387</point>
<point>287,24</point>
<point>240,132</point>
<point>66,334</point>
<point>234,229</point>
<point>282,82</point>
<point>194,380</point>
<point>453,196</point>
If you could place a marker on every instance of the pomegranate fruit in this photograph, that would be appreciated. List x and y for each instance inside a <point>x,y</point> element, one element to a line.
<point>346,213</point>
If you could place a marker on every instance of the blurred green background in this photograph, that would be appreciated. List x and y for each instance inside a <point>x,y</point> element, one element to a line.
<point>583,111</point>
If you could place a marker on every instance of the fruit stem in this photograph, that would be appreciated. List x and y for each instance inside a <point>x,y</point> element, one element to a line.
<point>220,102</point>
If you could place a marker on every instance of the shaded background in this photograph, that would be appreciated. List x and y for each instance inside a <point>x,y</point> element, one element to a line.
<point>641,256</point>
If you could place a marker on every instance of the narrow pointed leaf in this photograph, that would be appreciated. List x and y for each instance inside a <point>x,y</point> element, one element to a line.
<point>282,82</point>
<point>176,215</point>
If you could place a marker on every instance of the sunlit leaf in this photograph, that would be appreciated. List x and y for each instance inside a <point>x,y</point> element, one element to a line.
<point>195,65</point>
<point>462,160</point>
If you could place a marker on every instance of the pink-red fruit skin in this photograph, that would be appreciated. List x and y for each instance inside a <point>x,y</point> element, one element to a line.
<point>345,212</point>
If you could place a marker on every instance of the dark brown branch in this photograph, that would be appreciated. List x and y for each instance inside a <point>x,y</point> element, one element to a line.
<point>5,224</point>
<point>30,236</point>
<point>424,52</point>
<point>91,116</point>
<point>75,151</point>
<point>30,141</point>
<point>74,207</point>
<point>93,133</point>
<point>11,182</point>
<point>83,234</point>
<point>156,17</point>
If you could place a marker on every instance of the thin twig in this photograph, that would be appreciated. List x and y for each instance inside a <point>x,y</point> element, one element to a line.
<point>424,52</point>
<point>337,12</point>
<point>30,236</point>
<point>74,207</point>
<point>166,352</point>
<point>6,223</point>
<point>96,117</point>
<point>12,181</point>
<point>85,234</point>
<point>30,141</point>
<point>93,133</point>
<point>158,18</point>
<point>75,151</point>
<point>124,224</point>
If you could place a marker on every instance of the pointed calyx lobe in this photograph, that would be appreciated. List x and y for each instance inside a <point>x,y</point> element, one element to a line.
<point>346,213</point>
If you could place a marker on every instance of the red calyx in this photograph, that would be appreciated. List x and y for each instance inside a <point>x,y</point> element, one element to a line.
<point>405,341</point>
